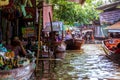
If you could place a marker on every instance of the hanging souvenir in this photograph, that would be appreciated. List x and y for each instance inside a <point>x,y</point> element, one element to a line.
<point>4,2</point>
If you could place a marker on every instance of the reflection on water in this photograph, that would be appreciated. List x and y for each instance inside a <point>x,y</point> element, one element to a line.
<point>88,64</point>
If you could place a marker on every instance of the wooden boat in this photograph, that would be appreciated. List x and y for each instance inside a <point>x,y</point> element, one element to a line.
<point>74,44</point>
<point>56,50</point>
<point>60,47</point>
<point>109,49</point>
<point>22,73</point>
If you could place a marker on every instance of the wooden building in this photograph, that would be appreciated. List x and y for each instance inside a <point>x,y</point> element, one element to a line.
<point>108,16</point>
<point>110,13</point>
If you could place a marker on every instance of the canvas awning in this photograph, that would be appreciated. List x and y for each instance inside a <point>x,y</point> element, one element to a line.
<point>114,26</point>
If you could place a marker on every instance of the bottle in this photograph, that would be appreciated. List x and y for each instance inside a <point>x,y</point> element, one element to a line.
<point>15,63</point>
<point>1,61</point>
<point>18,61</point>
<point>10,64</point>
<point>6,64</point>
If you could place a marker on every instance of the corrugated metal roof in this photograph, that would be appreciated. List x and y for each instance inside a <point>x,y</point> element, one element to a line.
<point>108,6</point>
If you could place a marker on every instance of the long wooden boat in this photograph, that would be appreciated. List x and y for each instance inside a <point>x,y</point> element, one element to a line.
<point>74,44</point>
<point>109,49</point>
<point>58,50</point>
<point>22,73</point>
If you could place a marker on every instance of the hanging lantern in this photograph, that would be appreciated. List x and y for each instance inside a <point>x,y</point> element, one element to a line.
<point>4,2</point>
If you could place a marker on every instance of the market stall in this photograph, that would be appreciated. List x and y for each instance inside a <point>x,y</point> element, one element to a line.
<point>15,67</point>
<point>12,65</point>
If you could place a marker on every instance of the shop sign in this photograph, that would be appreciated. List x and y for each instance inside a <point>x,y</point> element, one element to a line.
<point>28,32</point>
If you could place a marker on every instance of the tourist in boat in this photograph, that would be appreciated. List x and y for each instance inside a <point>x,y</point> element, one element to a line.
<point>16,46</point>
<point>111,41</point>
<point>88,36</point>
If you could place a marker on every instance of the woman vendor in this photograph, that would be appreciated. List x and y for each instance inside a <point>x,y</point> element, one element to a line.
<point>16,46</point>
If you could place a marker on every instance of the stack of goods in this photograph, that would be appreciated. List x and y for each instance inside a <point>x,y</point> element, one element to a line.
<point>9,61</point>
<point>14,67</point>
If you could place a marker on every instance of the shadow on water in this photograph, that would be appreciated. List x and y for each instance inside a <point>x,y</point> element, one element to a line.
<point>88,64</point>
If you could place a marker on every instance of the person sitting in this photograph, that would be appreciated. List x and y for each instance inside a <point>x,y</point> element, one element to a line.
<point>117,51</point>
<point>57,37</point>
<point>69,40</point>
<point>68,36</point>
<point>16,46</point>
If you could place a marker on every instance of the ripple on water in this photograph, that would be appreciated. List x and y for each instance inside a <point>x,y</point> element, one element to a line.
<point>90,64</point>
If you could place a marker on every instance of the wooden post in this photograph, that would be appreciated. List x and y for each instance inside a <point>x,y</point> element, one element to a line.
<point>50,22</point>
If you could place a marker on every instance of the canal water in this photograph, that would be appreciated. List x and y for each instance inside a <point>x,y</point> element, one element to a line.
<point>88,64</point>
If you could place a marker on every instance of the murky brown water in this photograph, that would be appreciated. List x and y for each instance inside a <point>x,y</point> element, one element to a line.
<point>87,64</point>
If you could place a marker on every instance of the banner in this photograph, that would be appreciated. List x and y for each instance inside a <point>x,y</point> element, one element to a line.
<point>57,26</point>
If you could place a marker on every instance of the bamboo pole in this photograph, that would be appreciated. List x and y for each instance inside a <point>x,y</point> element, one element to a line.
<point>39,44</point>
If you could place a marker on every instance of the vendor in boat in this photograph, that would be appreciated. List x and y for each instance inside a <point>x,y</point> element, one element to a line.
<point>68,36</point>
<point>16,46</point>
<point>69,40</point>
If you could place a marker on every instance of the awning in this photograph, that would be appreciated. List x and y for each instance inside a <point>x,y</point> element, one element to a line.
<point>87,30</point>
<point>114,26</point>
<point>113,30</point>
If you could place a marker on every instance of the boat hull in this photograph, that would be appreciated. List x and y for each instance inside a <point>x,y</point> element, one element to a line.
<point>22,73</point>
<point>74,44</point>
<point>109,52</point>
